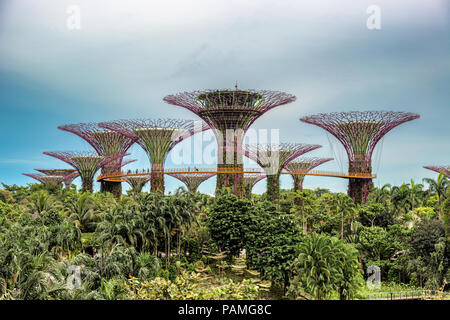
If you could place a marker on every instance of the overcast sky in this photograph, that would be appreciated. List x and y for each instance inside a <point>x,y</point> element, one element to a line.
<point>128,55</point>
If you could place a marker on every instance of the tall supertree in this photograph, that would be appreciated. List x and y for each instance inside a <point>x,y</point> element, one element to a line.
<point>68,175</point>
<point>192,180</point>
<point>157,137</point>
<point>137,183</point>
<point>230,113</point>
<point>250,179</point>
<point>359,132</point>
<point>274,158</point>
<point>50,183</point>
<point>303,165</point>
<point>439,169</point>
<point>106,143</point>
<point>86,164</point>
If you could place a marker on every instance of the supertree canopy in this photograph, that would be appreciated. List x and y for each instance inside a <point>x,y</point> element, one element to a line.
<point>137,182</point>
<point>192,180</point>
<point>157,137</point>
<point>106,143</point>
<point>250,179</point>
<point>68,175</point>
<point>230,113</point>
<point>305,165</point>
<point>50,182</point>
<point>359,132</point>
<point>439,169</point>
<point>86,164</point>
<point>274,158</point>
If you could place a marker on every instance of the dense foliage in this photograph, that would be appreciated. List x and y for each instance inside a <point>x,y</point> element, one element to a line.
<point>65,244</point>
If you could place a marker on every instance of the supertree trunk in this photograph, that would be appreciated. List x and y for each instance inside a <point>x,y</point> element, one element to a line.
<point>273,187</point>
<point>157,178</point>
<point>359,189</point>
<point>87,185</point>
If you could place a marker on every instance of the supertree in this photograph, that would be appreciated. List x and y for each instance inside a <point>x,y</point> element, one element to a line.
<point>137,182</point>
<point>250,179</point>
<point>359,132</point>
<point>192,180</point>
<point>439,169</point>
<point>86,164</point>
<point>303,165</point>
<point>230,113</point>
<point>68,175</point>
<point>50,183</point>
<point>274,158</point>
<point>106,143</point>
<point>157,137</point>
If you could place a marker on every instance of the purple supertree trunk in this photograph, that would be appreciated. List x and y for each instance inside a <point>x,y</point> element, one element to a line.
<point>305,165</point>
<point>86,164</point>
<point>106,143</point>
<point>250,179</point>
<point>230,113</point>
<point>444,169</point>
<point>192,180</point>
<point>157,137</point>
<point>359,133</point>
<point>274,158</point>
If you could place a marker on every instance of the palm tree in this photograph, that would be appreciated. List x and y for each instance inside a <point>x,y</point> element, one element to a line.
<point>83,212</point>
<point>344,205</point>
<point>439,187</point>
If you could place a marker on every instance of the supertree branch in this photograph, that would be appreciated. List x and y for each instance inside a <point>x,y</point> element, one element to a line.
<point>192,180</point>
<point>250,179</point>
<point>68,175</point>
<point>157,137</point>
<point>50,182</point>
<point>137,183</point>
<point>439,169</point>
<point>230,111</point>
<point>303,165</point>
<point>360,131</point>
<point>86,164</point>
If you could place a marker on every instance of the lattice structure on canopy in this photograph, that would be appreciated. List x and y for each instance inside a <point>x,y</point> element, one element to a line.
<point>68,175</point>
<point>192,180</point>
<point>49,182</point>
<point>444,169</point>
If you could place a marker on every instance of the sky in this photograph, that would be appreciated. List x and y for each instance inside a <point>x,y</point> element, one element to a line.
<point>127,55</point>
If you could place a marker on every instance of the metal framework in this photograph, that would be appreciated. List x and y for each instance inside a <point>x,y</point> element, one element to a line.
<point>68,175</point>
<point>157,137</point>
<point>303,164</point>
<point>274,158</point>
<point>444,169</point>
<point>192,180</point>
<point>137,183</point>
<point>250,179</point>
<point>230,113</point>
<point>50,182</point>
<point>359,132</point>
<point>86,164</point>
<point>106,143</point>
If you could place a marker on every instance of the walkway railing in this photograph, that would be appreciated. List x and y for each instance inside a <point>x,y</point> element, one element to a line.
<point>117,176</point>
<point>402,295</point>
